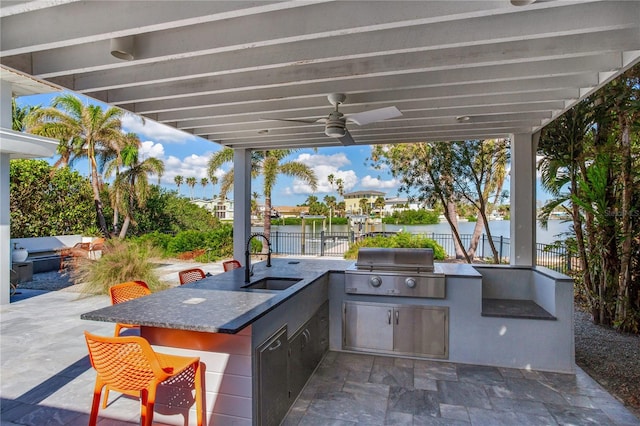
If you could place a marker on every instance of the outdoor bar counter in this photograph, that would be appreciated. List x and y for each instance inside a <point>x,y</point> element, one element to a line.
<point>260,346</point>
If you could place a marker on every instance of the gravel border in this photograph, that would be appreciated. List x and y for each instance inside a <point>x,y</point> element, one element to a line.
<point>609,357</point>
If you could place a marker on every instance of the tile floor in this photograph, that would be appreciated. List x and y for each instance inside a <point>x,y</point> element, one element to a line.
<point>349,389</point>
<point>46,379</point>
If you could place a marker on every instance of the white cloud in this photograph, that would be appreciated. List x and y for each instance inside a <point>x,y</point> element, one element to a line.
<point>150,149</point>
<point>190,166</point>
<point>323,166</point>
<point>153,130</point>
<point>369,182</point>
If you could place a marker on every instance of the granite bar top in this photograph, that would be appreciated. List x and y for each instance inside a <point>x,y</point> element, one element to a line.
<point>218,304</point>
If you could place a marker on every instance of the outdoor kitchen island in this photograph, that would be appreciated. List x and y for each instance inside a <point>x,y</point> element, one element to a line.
<point>259,346</point>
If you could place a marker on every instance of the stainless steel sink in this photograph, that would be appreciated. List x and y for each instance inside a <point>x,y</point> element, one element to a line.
<point>272,283</point>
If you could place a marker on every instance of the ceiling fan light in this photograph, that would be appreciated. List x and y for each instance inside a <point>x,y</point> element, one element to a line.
<point>334,131</point>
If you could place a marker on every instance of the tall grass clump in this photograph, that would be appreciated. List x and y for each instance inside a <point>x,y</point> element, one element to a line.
<point>121,261</point>
<point>400,240</point>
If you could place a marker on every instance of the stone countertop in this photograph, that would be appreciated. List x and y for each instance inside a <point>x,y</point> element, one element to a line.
<point>218,304</point>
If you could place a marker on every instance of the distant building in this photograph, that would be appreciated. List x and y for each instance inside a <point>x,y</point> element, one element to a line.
<point>397,204</point>
<point>352,200</point>
<point>222,208</point>
<point>291,211</point>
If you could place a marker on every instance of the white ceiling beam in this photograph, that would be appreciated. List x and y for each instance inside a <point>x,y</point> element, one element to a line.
<point>342,47</point>
<point>371,86</point>
<point>90,21</point>
<point>515,52</point>
<point>450,92</point>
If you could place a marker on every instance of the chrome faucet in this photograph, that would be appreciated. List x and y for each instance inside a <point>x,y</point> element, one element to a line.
<point>247,255</point>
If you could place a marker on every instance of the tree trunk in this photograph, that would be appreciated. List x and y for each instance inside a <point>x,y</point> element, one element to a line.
<point>101,222</point>
<point>267,220</point>
<point>624,278</point>
<point>125,227</point>
<point>452,217</point>
<point>475,238</point>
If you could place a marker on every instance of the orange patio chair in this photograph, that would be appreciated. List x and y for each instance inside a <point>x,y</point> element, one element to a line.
<point>191,275</point>
<point>231,264</point>
<point>127,291</point>
<point>129,365</point>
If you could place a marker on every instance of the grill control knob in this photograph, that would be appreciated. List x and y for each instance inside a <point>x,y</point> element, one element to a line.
<point>375,281</point>
<point>410,282</point>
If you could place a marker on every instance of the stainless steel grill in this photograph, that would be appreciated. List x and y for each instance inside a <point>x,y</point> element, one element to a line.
<point>395,272</point>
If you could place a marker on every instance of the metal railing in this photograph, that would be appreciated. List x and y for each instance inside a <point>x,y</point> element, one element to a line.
<point>337,243</point>
<point>557,258</point>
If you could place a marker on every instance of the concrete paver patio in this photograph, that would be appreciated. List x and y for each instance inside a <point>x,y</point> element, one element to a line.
<point>46,379</point>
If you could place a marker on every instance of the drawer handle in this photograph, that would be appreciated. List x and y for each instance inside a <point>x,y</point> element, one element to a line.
<point>276,345</point>
<point>389,316</point>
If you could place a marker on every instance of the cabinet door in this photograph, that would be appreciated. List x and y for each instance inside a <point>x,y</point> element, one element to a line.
<point>368,326</point>
<point>421,330</point>
<point>273,396</point>
<point>300,360</point>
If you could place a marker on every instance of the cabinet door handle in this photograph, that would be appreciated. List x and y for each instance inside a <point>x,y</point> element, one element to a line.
<point>397,317</point>
<point>275,345</point>
<point>389,316</point>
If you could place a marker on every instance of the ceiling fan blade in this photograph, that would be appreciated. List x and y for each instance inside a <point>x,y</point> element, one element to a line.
<point>366,117</point>
<point>347,139</point>
<point>296,120</point>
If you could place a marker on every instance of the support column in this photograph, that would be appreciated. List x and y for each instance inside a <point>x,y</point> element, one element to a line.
<point>5,231</point>
<point>242,202</point>
<point>523,199</point>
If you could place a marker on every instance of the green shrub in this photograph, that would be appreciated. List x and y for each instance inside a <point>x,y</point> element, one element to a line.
<point>217,242</point>
<point>121,261</point>
<point>401,240</point>
<point>412,217</point>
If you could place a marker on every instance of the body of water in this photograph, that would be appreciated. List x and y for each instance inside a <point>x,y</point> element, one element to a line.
<point>498,228</point>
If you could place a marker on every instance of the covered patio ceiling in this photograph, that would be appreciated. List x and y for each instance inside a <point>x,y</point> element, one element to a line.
<point>221,69</point>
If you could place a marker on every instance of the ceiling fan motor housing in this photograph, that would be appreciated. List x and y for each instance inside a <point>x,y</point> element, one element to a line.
<point>336,125</point>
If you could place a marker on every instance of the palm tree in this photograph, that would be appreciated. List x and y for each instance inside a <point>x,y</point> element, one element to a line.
<point>269,164</point>
<point>330,179</point>
<point>134,180</point>
<point>179,180</point>
<point>379,204</point>
<point>191,183</point>
<point>19,115</point>
<point>113,165</point>
<point>340,185</point>
<point>364,205</point>
<point>204,182</point>
<point>86,131</point>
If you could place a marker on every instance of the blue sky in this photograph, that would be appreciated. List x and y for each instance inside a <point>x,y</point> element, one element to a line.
<point>187,155</point>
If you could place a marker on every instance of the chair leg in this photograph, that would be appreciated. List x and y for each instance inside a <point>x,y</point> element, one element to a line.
<point>149,403</point>
<point>105,399</point>
<point>199,393</point>
<point>93,418</point>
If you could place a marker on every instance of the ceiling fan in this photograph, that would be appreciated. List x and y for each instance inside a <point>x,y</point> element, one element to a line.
<point>336,122</point>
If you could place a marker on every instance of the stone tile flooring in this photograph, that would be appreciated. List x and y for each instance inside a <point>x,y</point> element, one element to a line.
<point>350,388</point>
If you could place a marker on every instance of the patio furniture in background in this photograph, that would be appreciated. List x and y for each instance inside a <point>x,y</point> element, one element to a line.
<point>190,275</point>
<point>80,251</point>
<point>231,264</point>
<point>128,364</point>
